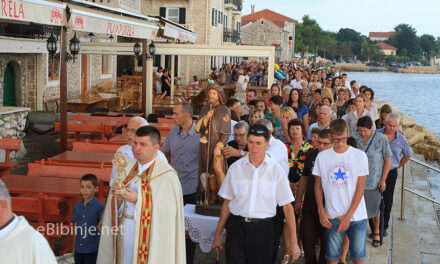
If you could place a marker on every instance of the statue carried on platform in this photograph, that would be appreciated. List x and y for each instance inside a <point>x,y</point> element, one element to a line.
<point>214,126</point>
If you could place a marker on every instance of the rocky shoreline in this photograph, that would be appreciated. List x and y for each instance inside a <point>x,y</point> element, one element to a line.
<point>421,140</point>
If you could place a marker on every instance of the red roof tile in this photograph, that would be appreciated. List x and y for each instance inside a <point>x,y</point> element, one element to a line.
<point>269,15</point>
<point>386,46</point>
<point>380,34</point>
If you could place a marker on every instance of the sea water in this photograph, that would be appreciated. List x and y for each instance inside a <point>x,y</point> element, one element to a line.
<point>417,95</point>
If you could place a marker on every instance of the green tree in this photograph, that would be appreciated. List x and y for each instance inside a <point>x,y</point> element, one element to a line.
<point>428,44</point>
<point>405,37</point>
<point>344,49</point>
<point>308,35</point>
<point>327,47</point>
<point>352,38</point>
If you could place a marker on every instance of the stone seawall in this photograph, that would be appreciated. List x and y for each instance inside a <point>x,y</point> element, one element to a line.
<point>421,140</point>
<point>357,67</point>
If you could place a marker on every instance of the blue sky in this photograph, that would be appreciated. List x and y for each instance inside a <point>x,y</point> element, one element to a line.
<point>361,15</point>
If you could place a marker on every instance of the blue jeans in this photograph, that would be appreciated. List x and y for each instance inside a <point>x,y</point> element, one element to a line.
<point>357,234</point>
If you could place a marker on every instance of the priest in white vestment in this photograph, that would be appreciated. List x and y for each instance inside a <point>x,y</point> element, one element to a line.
<point>19,242</point>
<point>149,214</point>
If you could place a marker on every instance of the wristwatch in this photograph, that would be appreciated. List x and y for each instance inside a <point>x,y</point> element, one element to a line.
<point>241,153</point>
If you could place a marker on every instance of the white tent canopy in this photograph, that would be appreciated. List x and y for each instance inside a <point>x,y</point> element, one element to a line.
<point>36,11</point>
<point>90,20</point>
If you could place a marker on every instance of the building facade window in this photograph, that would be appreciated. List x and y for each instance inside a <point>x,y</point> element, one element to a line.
<point>54,68</point>
<point>173,14</point>
<point>105,64</point>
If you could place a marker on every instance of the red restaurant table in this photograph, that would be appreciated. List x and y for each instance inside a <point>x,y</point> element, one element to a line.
<point>84,157</point>
<point>119,138</point>
<point>19,184</point>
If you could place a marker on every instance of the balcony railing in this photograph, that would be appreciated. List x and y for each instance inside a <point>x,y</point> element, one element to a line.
<point>234,4</point>
<point>231,35</point>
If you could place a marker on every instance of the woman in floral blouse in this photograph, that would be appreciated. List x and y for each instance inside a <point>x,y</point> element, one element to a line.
<point>297,149</point>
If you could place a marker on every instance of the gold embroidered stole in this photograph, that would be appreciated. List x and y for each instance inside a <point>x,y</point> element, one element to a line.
<point>146,214</point>
<point>145,217</point>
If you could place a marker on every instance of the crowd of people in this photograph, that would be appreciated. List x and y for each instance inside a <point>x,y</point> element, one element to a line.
<point>310,160</point>
<point>334,192</point>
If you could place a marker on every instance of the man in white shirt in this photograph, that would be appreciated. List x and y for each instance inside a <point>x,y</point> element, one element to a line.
<point>277,150</point>
<point>253,187</point>
<point>340,180</point>
<point>134,124</point>
<point>296,83</point>
<point>19,242</point>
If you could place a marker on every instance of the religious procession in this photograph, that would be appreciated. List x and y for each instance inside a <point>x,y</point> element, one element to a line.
<point>248,161</point>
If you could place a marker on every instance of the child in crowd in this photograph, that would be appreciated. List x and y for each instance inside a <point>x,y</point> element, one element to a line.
<point>86,215</point>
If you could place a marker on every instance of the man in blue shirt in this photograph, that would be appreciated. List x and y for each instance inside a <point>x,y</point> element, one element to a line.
<point>182,143</point>
<point>401,154</point>
<point>86,215</point>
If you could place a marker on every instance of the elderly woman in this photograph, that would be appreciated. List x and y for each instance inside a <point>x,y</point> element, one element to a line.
<point>379,154</point>
<point>369,104</point>
<point>282,133</point>
<point>354,116</point>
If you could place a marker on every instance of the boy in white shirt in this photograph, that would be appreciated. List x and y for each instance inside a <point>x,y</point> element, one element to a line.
<point>340,179</point>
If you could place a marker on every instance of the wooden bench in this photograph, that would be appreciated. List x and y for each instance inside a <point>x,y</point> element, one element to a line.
<point>165,120</point>
<point>37,209</point>
<point>73,171</point>
<point>8,144</point>
<point>95,147</point>
<point>79,130</point>
<point>80,117</point>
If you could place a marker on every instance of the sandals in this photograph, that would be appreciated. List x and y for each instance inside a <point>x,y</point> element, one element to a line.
<point>376,243</point>
<point>286,259</point>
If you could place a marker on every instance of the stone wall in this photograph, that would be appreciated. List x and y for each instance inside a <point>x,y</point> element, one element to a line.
<point>421,140</point>
<point>12,124</point>
<point>74,70</point>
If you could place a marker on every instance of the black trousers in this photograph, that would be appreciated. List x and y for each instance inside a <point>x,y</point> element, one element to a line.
<point>311,231</point>
<point>85,258</point>
<point>248,243</point>
<point>388,196</point>
<point>190,246</point>
<point>278,226</point>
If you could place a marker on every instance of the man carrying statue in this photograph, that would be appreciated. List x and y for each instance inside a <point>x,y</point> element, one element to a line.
<point>214,126</point>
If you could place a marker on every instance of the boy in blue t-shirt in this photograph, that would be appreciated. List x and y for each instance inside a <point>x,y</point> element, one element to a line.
<point>86,216</point>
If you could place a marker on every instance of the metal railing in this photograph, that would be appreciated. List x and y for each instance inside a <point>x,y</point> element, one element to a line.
<point>231,35</point>
<point>238,4</point>
<point>402,197</point>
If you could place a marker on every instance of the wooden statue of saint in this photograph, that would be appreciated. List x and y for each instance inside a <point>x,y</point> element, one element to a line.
<point>214,126</point>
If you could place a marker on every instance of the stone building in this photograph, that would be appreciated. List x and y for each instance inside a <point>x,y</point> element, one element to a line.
<point>380,36</point>
<point>216,22</point>
<point>387,49</point>
<point>268,28</point>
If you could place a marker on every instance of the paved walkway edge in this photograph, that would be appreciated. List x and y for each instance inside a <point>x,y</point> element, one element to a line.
<point>405,243</point>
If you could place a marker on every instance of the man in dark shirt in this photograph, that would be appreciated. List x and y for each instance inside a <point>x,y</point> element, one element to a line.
<point>311,229</point>
<point>166,86</point>
<point>237,148</point>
